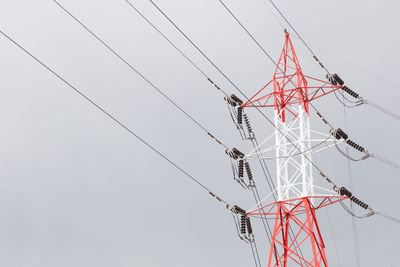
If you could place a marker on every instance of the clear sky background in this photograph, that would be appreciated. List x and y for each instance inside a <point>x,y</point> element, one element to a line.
<point>77,190</point>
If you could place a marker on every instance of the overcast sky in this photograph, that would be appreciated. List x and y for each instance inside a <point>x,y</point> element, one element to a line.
<point>78,190</point>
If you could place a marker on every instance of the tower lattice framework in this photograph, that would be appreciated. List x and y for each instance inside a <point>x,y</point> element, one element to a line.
<point>297,196</point>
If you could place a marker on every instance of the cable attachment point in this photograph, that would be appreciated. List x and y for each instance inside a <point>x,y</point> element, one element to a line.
<point>248,125</point>
<point>240,115</point>
<point>237,113</point>
<point>234,153</point>
<point>249,173</point>
<point>339,134</point>
<point>355,145</point>
<point>238,166</point>
<point>233,100</point>
<point>350,92</point>
<point>238,210</point>
<point>243,224</point>
<point>248,225</point>
<point>334,79</point>
<point>241,168</point>
<point>344,192</point>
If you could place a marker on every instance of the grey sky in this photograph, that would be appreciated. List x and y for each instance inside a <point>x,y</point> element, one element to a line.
<point>77,190</point>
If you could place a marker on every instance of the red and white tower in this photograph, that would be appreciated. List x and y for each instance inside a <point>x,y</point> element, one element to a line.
<point>293,144</point>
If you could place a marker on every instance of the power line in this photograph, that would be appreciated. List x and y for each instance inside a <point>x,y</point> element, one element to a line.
<point>264,168</point>
<point>194,65</point>
<point>263,164</point>
<point>334,239</point>
<point>387,112</point>
<point>203,73</point>
<point>138,73</point>
<point>114,119</point>
<point>350,176</point>
<point>388,162</point>
<point>148,81</point>
<point>387,216</point>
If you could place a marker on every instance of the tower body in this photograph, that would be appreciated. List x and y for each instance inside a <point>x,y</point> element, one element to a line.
<point>294,211</point>
<point>294,173</point>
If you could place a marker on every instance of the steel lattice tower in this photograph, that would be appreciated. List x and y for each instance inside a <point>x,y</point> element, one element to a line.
<point>297,196</point>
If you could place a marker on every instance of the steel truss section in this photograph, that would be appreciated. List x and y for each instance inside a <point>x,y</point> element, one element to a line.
<point>298,215</point>
<point>294,147</point>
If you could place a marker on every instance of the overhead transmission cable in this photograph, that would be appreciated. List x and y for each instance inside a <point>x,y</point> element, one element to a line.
<point>114,119</point>
<point>268,231</point>
<point>264,167</point>
<point>139,73</point>
<point>263,164</point>
<point>350,176</point>
<point>142,76</point>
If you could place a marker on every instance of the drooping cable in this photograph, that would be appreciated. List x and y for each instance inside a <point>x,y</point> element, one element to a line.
<point>334,238</point>
<point>387,216</point>
<point>388,162</point>
<point>344,192</point>
<point>350,177</point>
<point>256,254</point>
<point>340,134</point>
<point>114,119</point>
<point>343,101</point>
<point>369,214</point>
<point>366,215</point>
<point>387,112</point>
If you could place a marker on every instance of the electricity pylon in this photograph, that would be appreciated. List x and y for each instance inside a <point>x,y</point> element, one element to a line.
<point>297,196</point>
